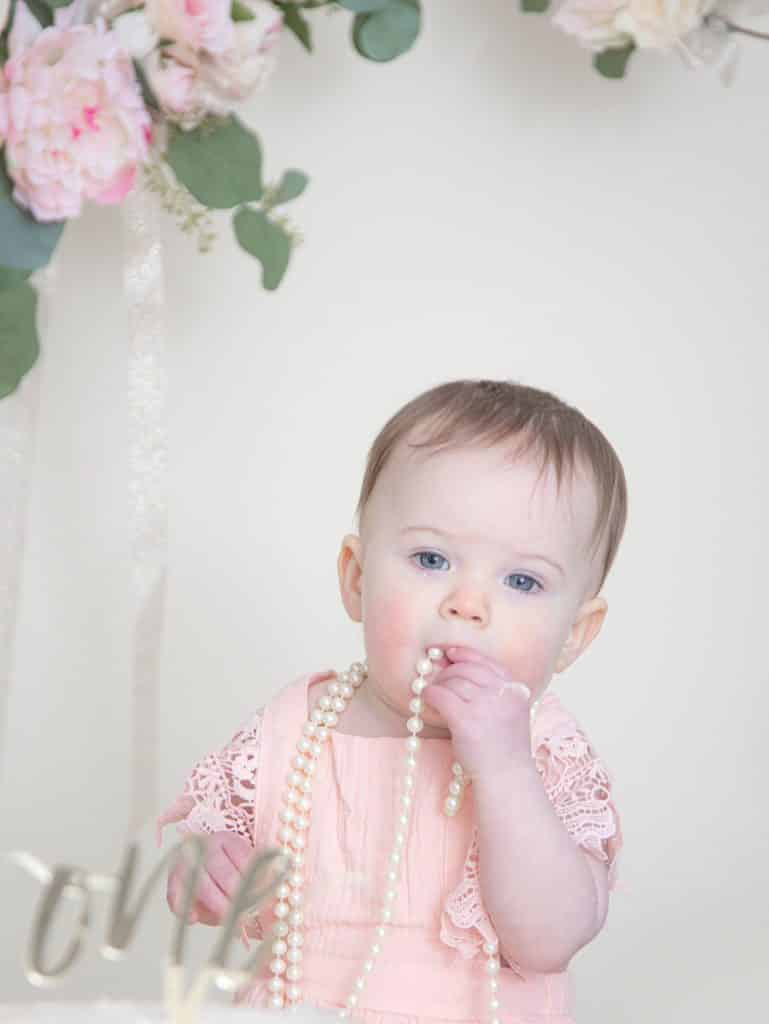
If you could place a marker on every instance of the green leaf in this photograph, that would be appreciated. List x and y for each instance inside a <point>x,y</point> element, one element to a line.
<point>148,95</point>
<point>25,244</point>
<point>12,277</point>
<point>292,184</point>
<point>19,347</point>
<point>42,11</point>
<point>363,6</point>
<point>239,12</point>
<point>612,63</point>
<point>534,6</point>
<point>220,162</point>
<point>296,22</point>
<point>386,34</point>
<point>265,240</point>
<point>57,3</point>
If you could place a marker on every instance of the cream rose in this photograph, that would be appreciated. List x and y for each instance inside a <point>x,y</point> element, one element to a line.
<point>655,24</point>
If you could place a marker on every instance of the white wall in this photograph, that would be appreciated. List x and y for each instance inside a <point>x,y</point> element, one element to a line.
<point>486,206</point>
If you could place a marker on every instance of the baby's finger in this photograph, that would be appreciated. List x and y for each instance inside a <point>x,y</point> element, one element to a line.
<point>210,898</point>
<point>464,654</point>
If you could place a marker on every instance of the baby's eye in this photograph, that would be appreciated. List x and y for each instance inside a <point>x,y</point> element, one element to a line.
<point>429,554</point>
<point>530,579</point>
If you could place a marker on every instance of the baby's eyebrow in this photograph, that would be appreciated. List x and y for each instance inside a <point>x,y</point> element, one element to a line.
<point>451,536</point>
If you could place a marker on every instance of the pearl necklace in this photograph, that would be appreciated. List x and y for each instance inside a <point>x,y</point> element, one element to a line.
<point>287,947</point>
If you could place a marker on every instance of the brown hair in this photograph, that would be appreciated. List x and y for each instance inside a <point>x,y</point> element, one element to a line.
<point>490,412</point>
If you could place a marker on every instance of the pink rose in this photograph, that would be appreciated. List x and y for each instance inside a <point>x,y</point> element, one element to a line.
<point>72,115</point>
<point>197,24</point>
<point>248,63</point>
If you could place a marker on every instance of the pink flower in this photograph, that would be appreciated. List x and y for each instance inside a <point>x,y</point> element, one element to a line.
<point>197,24</point>
<point>72,115</point>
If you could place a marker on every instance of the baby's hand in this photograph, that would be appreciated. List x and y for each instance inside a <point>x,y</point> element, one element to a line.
<point>485,710</point>
<point>227,857</point>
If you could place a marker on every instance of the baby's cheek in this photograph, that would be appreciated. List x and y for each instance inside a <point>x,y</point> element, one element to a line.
<point>529,656</point>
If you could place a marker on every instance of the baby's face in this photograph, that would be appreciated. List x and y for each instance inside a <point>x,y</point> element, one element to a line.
<point>463,549</point>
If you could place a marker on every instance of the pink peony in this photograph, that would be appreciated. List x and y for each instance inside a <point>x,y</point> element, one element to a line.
<point>249,62</point>
<point>72,115</point>
<point>197,24</point>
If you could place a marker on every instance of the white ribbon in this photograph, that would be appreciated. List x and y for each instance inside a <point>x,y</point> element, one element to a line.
<point>148,456</point>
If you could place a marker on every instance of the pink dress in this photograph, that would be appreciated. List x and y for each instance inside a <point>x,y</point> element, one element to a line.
<point>431,965</point>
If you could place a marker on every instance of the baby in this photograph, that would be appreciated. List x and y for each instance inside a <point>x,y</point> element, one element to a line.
<point>489,517</point>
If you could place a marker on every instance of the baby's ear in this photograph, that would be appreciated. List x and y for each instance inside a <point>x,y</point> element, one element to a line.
<point>585,628</point>
<point>350,567</point>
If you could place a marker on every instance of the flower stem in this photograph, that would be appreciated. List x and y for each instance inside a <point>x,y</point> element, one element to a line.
<point>737,28</point>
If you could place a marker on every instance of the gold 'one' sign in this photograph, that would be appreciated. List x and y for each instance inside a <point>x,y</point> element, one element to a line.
<point>75,883</point>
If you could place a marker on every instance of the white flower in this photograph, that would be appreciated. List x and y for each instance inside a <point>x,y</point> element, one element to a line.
<point>246,65</point>
<point>137,37</point>
<point>655,24</point>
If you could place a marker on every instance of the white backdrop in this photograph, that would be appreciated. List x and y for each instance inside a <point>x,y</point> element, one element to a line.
<point>486,206</point>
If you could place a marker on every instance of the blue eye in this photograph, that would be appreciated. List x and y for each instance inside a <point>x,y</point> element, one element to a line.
<point>529,582</point>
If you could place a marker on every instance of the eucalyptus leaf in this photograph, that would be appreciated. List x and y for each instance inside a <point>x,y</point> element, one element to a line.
<point>25,244</point>
<point>613,62</point>
<point>296,22</point>
<point>42,11</point>
<point>19,347</point>
<point>386,34</point>
<point>12,277</point>
<point>239,12</point>
<point>534,6</point>
<point>364,6</point>
<point>265,240</point>
<point>292,184</point>
<point>220,162</point>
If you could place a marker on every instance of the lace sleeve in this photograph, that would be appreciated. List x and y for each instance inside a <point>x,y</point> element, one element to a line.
<point>579,788</point>
<point>219,791</point>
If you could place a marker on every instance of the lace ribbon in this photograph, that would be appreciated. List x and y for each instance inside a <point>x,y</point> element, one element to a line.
<point>18,433</point>
<point>148,458</point>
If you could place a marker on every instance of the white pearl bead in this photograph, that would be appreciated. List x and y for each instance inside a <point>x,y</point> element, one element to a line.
<point>296,917</point>
<point>310,767</point>
<point>283,890</point>
<point>324,703</point>
<point>360,983</point>
<point>296,899</point>
<point>309,728</point>
<point>293,992</point>
<point>278,966</point>
<point>395,857</point>
<point>333,689</point>
<point>457,768</point>
<point>493,1004</point>
<point>368,966</point>
<point>415,705</point>
<point>414,724</point>
<point>286,834</point>
<point>321,734</point>
<point>455,788</point>
<point>434,653</point>
<point>451,804</point>
<point>417,686</point>
<point>490,948</point>
<point>316,749</point>
<point>343,677</point>
<point>304,746</point>
<point>385,914</point>
<point>281,909</point>
<point>357,666</point>
<point>287,815</point>
<point>277,999</point>
<point>276,984</point>
<point>304,803</point>
<point>408,781</point>
<point>424,666</point>
<point>392,876</point>
<point>316,715</point>
<point>376,949</point>
<point>493,984</point>
<point>413,742</point>
<point>407,800</point>
<point>300,822</point>
<point>279,947</point>
<point>295,779</point>
<point>281,928</point>
<point>389,895</point>
<point>352,1000</point>
<point>330,718</point>
<point>339,705</point>
<point>299,841</point>
<point>294,973</point>
<point>294,956</point>
<point>379,930</point>
<point>346,691</point>
<point>295,939</point>
<point>492,966</point>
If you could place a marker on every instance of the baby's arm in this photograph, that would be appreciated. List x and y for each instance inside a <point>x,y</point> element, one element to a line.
<point>546,896</point>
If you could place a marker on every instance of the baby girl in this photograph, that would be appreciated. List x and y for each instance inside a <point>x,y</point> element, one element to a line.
<point>489,517</point>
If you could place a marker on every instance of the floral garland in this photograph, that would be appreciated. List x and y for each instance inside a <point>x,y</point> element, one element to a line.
<point>90,96</point>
